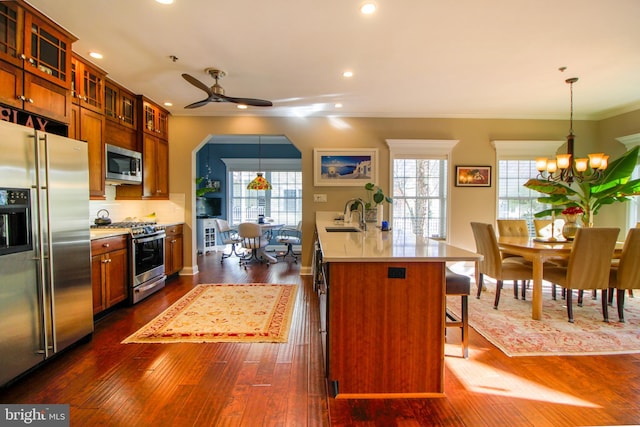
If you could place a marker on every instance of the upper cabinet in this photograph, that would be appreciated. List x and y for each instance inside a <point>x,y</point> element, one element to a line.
<point>120,105</point>
<point>87,84</point>
<point>36,75</point>
<point>155,119</point>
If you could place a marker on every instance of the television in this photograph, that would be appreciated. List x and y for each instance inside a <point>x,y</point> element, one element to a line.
<point>212,206</point>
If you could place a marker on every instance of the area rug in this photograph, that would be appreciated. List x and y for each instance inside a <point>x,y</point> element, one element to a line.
<point>254,312</point>
<point>512,330</point>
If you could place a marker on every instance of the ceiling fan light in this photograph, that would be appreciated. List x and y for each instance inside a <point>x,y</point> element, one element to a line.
<point>259,183</point>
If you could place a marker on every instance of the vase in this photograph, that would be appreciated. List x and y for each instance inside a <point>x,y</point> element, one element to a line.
<point>570,227</point>
<point>371,215</point>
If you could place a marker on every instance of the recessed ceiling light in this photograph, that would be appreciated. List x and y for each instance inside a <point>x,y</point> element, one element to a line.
<point>168,104</point>
<point>96,55</point>
<point>347,74</point>
<point>242,106</point>
<point>165,1</point>
<point>338,105</point>
<point>367,8</point>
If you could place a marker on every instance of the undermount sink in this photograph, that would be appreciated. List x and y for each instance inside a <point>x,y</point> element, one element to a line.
<point>341,229</point>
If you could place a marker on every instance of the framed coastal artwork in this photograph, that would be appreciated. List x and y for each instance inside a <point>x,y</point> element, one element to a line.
<point>473,176</point>
<point>345,167</point>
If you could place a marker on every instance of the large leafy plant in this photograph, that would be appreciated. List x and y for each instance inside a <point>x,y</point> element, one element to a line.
<point>615,186</point>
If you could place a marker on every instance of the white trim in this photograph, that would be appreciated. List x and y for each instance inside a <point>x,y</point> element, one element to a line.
<point>291,165</point>
<point>524,150</point>
<point>431,147</point>
<point>630,141</point>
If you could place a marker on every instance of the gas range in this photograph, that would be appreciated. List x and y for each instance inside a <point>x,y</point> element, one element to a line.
<point>135,228</point>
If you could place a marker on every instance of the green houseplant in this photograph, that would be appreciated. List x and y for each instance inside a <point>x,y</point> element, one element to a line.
<point>615,186</point>
<point>200,192</point>
<point>375,198</point>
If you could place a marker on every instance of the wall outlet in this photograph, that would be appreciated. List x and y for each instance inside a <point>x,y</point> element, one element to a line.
<point>320,198</point>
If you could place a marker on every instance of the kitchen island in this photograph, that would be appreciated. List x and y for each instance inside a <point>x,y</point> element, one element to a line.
<point>382,308</point>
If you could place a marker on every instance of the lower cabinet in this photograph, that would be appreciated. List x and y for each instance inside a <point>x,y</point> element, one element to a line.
<point>173,243</point>
<point>109,272</point>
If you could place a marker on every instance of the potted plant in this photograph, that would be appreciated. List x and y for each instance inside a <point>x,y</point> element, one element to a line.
<point>615,186</point>
<point>374,200</point>
<point>200,192</point>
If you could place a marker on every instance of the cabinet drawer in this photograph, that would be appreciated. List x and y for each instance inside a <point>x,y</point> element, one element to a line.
<point>173,230</point>
<point>108,244</point>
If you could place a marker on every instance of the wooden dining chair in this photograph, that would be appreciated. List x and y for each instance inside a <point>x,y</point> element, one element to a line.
<point>588,266</point>
<point>458,285</point>
<point>625,275</point>
<point>493,265</point>
<point>253,240</point>
<point>514,228</point>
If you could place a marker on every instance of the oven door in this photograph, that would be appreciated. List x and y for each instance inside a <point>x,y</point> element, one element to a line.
<point>147,258</point>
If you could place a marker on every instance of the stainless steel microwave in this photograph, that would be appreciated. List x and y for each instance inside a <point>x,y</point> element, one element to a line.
<point>123,166</point>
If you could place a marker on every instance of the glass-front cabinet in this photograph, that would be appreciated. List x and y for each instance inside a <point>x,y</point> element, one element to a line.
<point>87,84</point>
<point>119,105</point>
<point>35,56</point>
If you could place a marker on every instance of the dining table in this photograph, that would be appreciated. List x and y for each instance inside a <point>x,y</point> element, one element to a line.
<point>537,251</point>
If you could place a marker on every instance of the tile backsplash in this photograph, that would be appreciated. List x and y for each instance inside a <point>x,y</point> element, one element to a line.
<point>167,211</point>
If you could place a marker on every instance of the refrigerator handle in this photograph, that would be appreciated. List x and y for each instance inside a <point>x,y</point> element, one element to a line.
<point>44,252</point>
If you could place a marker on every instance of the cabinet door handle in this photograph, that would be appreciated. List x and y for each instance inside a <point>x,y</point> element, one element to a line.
<point>21,97</point>
<point>29,100</point>
<point>105,245</point>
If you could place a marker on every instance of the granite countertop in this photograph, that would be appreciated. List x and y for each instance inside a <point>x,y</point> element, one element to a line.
<point>101,233</point>
<point>374,245</point>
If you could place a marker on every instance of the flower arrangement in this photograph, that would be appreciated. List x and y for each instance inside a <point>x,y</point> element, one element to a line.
<point>573,210</point>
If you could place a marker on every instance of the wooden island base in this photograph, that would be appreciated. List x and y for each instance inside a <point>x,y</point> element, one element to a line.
<point>385,324</point>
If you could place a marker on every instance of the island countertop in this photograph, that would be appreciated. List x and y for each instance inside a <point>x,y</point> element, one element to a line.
<point>374,245</point>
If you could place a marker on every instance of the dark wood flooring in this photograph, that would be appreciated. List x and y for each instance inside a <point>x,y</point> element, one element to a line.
<point>227,384</point>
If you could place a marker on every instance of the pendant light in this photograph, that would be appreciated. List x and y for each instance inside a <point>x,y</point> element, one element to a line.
<point>564,168</point>
<point>259,182</point>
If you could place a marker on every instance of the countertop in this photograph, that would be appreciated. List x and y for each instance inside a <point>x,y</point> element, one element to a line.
<point>374,245</point>
<point>101,233</point>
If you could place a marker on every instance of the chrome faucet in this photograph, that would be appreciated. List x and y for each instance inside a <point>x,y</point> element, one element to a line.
<point>359,209</point>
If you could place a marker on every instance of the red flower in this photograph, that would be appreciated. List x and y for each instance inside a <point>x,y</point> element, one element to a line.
<point>573,210</point>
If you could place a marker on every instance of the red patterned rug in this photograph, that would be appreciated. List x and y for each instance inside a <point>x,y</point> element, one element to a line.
<point>511,329</point>
<point>254,312</point>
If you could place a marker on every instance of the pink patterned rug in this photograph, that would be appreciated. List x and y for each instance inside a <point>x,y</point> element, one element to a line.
<point>254,312</point>
<point>511,329</point>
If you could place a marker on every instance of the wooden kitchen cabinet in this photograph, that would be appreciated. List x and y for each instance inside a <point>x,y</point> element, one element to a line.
<point>87,125</point>
<point>155,119</point>
<point>36,73</point>
<point>120,106</point>
<point>173,244</point>
<point>109,272</point>
<point>87,84</point>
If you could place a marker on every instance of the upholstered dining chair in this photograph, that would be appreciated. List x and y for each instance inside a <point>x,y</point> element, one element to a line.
<point>544,229</point>
<point>625,274</point>
<point>290,236</point>
<point>493,265</point>
<point>588,266</point>
<point>253,240</point>
<point>514,228</point>
<point>459,285</point>
<point>228,236</point>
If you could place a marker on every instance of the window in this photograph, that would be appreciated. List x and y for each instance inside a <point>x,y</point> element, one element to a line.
<point>514,200</point>
<point>631,141</point>
<point>420,186</point>
<point>419,196</point>
<point>283,203</point>
<point>516,165</point>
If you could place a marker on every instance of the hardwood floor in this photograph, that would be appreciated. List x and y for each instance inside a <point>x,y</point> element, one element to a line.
<point>228,384</point>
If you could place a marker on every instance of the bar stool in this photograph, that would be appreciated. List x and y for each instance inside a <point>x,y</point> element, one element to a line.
<point>458,284</point>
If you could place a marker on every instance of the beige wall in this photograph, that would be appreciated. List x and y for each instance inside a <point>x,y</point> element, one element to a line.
<point>187,134</point>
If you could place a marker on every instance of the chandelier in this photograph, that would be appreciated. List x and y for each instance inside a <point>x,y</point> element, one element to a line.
<point>566,169</point>
<point>259,182</point>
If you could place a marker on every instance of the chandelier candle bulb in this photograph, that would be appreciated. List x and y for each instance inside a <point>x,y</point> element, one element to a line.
<point>563,160</point>
<point>581,164</point>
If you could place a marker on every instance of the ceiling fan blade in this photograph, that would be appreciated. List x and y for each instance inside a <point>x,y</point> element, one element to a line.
<point>200,103</point>
<point>247,101</point>
<point>197,83</point>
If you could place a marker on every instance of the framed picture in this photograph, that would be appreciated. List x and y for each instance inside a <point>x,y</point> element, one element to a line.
<point>345,167</point>
<point>473,176</point>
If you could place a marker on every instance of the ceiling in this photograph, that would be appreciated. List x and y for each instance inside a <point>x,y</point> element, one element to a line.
<point>412,58</point>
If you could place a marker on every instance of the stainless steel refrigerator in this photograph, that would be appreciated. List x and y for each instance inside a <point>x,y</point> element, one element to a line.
<point>45,252</point>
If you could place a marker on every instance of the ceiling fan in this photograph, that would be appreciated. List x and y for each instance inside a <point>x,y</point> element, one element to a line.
<point>216,92</point>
